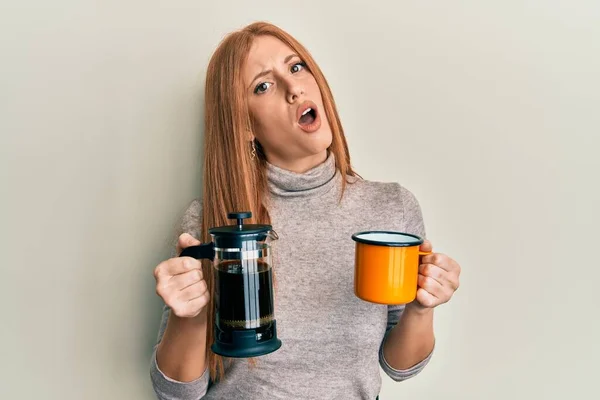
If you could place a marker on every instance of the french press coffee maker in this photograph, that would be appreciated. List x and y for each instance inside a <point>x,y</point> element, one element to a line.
<point>245,325</point>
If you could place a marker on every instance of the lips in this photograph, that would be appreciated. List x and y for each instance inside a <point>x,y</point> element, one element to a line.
<point>307,117</point>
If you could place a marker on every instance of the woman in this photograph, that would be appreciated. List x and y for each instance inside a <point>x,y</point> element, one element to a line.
<point>274,144</point>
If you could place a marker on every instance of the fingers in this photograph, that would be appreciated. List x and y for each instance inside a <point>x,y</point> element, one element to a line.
<point>186,240</point>
<point>438,278</point>
<point>439,259</point>
<point>426,299</point>
<point>193,307</point>
<point>185,302</point>
<point>190,301</point>
<point>176,266</point>
<point>182,281</point>
<point>434,272</point>
<point>432,286</point>
<point>442,268</point>
<point>193,292</point>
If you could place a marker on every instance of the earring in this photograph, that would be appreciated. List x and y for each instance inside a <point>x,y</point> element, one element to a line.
<point>253,152</point>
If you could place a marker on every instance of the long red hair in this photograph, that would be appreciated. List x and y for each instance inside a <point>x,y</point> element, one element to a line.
<point>232,179</point>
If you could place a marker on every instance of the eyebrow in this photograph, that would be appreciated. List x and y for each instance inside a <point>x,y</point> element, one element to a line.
<point>267,72</point>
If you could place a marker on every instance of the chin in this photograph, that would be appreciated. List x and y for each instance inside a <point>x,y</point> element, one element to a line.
<point>319,142</point>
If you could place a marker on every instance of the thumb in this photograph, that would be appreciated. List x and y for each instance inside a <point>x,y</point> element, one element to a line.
<point>186,240</point>
<point>426,246</point>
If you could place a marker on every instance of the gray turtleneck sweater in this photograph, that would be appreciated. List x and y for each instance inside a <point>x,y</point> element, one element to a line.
<point>332,341</point>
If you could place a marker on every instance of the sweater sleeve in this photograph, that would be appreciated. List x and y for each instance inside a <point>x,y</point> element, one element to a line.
<point>170,389</point>
<point>412,223</point>
<point>165,387</point>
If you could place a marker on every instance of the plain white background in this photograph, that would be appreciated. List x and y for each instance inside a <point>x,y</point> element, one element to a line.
<point>486,110</point>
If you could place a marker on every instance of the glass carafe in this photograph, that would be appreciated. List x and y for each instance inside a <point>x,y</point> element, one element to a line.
<point>245,323</point>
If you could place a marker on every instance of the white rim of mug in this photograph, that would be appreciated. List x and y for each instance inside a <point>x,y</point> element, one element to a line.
<point>358,239</point>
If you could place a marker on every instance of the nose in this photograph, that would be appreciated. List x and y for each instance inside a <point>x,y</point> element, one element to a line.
<point>294,91</point>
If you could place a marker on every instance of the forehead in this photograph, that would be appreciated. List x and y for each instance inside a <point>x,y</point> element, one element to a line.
<point>266,52</point>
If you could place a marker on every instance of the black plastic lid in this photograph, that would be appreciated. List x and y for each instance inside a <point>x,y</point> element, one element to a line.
<point>240,231</point>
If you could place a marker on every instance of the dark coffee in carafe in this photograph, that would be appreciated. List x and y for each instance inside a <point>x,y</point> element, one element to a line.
<point>243,294</point>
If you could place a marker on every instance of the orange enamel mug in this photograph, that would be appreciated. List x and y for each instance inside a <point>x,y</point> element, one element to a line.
<point>386,266</point>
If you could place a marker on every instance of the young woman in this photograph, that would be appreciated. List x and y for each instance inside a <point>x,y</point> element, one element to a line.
<point>274,144</point>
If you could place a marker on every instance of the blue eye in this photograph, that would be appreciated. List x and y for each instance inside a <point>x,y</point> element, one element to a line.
<point>261,87</point>
<point>298,67</point>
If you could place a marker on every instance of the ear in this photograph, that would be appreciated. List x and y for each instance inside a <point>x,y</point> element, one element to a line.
<point>249,133</point>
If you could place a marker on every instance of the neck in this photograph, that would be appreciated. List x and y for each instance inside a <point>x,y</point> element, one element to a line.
<point>301,165</point>
<point>313,182</point>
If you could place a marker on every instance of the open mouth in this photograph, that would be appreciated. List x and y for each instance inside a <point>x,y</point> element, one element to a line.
<point>308,117</point>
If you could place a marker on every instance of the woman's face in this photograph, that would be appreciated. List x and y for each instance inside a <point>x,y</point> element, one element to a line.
<point>286,106</point>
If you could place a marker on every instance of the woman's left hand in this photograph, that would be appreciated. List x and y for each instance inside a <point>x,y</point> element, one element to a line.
<point>438,279</point>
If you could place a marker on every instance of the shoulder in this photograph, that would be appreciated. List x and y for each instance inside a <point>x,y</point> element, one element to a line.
<point>188,220</point>
<point>193,208</point>
<point>392,198</point>
<point>393,193</point>
<point>191,218</point>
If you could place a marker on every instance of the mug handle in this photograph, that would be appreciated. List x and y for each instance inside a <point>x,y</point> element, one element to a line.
<point>423,253</point>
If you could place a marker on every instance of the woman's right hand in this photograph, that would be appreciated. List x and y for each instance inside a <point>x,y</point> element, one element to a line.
<point>179,281</point>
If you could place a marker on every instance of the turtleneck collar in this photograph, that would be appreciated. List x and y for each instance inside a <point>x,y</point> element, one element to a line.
<point>316,181</point>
